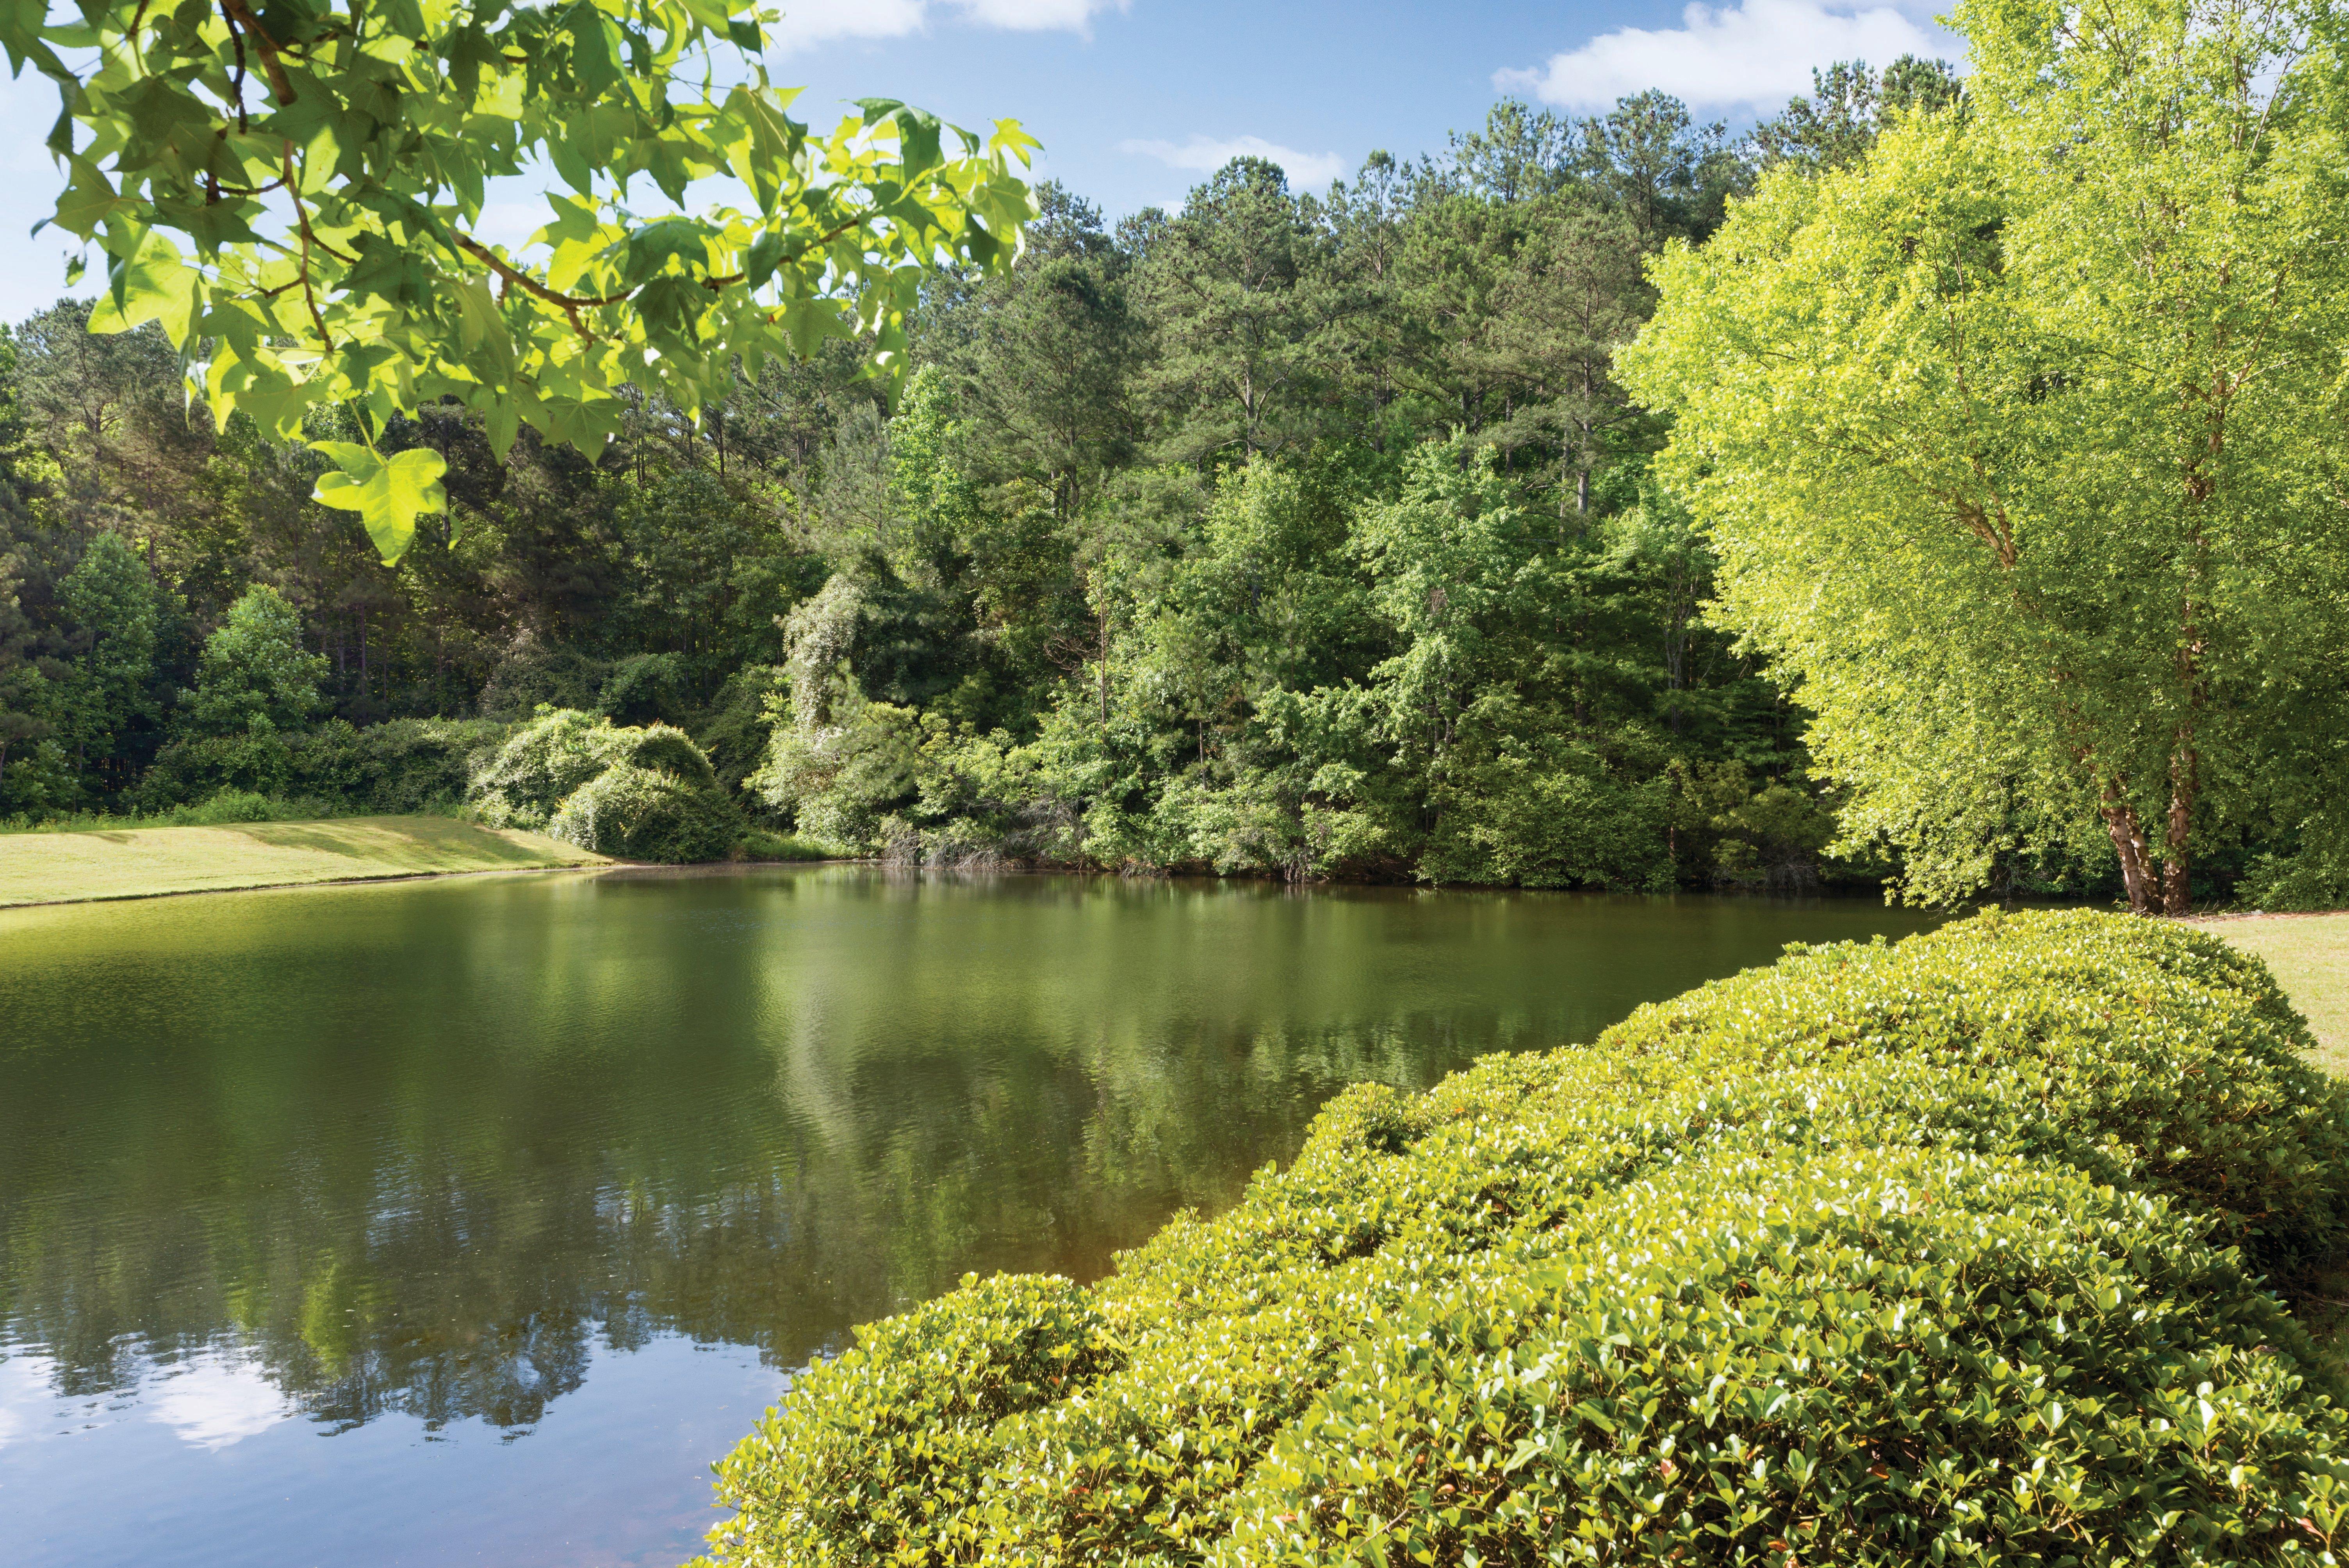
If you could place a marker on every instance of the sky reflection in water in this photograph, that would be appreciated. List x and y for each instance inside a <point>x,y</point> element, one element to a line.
<point>468,1221</point>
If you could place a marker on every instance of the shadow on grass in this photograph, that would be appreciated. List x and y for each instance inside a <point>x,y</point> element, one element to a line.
<point>405,841</point>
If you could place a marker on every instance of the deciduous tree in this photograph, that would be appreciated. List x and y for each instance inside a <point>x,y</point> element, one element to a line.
<point>2023,438</point>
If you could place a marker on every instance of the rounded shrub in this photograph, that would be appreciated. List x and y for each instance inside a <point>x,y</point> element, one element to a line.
<point>1948,1250</point>
<point>637,814</point>
<point>527,780</point>
<point>664,747</point>
<point>1928,1357</point>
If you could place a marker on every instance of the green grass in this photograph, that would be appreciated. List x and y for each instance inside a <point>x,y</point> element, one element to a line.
<point>140,862</point>
<point>2309,955</point>
<point>760,844</point>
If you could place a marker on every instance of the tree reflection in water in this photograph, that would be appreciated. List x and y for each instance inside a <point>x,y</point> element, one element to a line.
<point>420,1150</point>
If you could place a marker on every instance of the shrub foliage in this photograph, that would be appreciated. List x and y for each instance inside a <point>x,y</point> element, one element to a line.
<point>1953,1250</point>
<point>643,794</point>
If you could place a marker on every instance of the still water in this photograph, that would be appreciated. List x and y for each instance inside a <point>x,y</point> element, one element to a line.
<point>468,1221</point>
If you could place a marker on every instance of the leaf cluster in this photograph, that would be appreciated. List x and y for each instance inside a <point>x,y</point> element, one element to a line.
<point>297,191</point>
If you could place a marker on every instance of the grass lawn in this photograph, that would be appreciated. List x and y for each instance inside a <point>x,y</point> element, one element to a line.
<point>136,862</point>
<point>2309,957</point>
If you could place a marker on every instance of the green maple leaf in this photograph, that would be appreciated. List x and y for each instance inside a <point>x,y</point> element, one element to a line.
<point>388,493</point>
<point>154,285</point>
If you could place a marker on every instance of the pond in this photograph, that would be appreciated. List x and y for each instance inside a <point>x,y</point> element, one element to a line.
<point>469,1221</point>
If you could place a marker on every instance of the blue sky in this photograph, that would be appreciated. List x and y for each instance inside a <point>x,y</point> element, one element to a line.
<point>1136,101</point>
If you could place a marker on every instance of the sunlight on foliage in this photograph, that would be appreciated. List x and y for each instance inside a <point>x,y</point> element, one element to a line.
<point>325,171</point>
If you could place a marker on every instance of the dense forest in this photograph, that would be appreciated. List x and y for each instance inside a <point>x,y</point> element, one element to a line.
<point>1288,534</point>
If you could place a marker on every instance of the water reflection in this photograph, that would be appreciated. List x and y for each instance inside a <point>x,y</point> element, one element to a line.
<point>444,1152</point>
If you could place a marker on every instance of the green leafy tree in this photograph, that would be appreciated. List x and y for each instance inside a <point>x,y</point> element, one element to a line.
<point>112,601</point>
<point>293,191</point>
<point>1849,105</point>
<point>1240,291</point>
<point>112,413</point>
<point>1652,162</point>
<point>254,676</point>
<point>1521,155</point>
<point>1048,372</point>
<point>25,688</point>
<point>2022,438</point>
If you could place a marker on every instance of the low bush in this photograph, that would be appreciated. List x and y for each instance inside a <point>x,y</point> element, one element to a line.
<point>640,813</point>
<point>403,765</point>
<point>526,780</point>
<point>665,749</point>
<point>259,760</point>
<point>762,844</point>
<point>638,794</point>
<point>1948,1250</point>
<point>225,807</point>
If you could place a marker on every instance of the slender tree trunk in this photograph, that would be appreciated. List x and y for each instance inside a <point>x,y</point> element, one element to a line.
<point>2177,860</point>
<point>2128,842</point>
<point>2185,761</point>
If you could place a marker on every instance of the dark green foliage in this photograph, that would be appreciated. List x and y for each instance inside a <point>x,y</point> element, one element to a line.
<point>533,675</point>
<point>1848,104</point>
<point>401,765</point>
<point>254,676</point>
<point>647,689</point>
<point>1949,1252</point>
<point>255,761</point>
<point>664,748</point>
<point>110,697</point>
<point>734,734</point>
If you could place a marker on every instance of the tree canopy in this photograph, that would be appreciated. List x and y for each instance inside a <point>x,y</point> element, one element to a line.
<point>2020,438</point>
<point>295,193</point>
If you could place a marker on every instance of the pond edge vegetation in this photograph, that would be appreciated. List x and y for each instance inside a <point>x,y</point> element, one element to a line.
<point>1976,1247</point>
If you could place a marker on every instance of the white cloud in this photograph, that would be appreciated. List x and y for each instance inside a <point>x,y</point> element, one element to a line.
<point>815,20</point>
<point>1205,154</point>
<point>1036,16</point>
<point>1755,54</point>
<point>215,1403</point>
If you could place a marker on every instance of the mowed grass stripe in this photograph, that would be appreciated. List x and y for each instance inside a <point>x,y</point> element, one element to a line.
<point>139,862</point>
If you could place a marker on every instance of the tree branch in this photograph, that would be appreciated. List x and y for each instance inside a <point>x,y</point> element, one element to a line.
<point>570,305</point>
<point>302,216</point>
<point>240,19</point>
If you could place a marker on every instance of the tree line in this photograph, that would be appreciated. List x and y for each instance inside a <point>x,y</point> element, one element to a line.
<point>1293,533</point>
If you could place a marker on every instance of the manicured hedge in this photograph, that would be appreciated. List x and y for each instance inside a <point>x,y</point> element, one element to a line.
<point>1957,1251</point>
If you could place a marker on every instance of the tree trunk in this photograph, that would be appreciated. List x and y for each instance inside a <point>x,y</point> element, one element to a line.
<point>2184,761</point>
<point>2128,842</point>
<point>2178,861</point>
